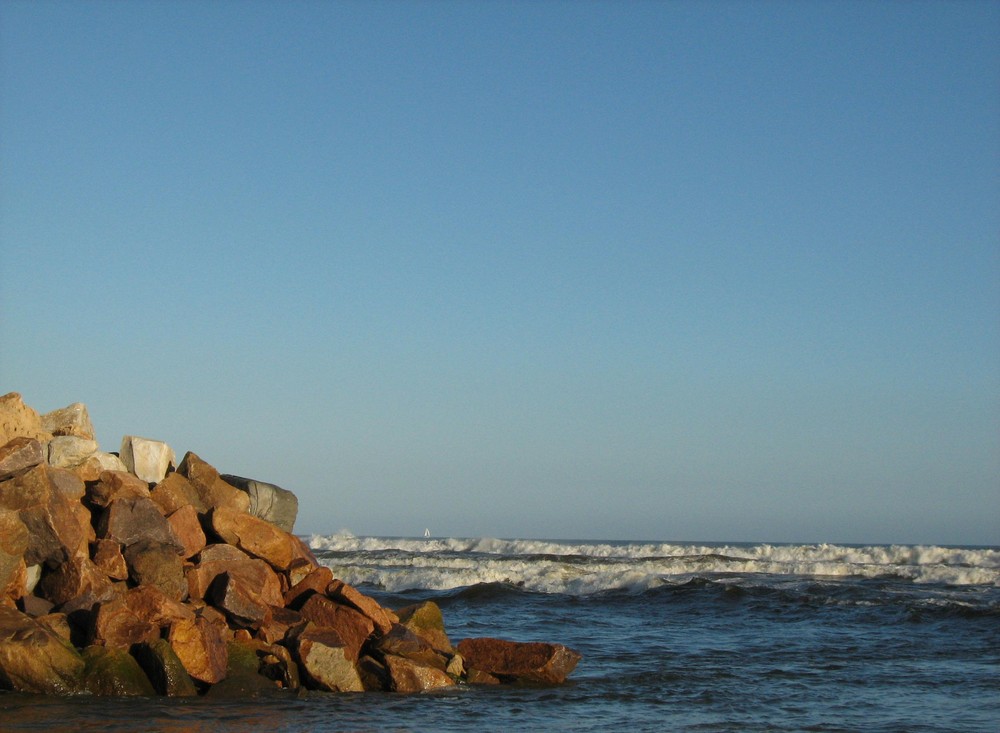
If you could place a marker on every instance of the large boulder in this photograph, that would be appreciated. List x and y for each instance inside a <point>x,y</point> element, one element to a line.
<point>19,420</point>
<point>164,669</point>
<point>407,675</point>
<point>148,459</point>
<point>519,661</point>
<point>70,420</point>
<point>200,644</point>
<point>13,543</point>
<point>176,492</point>
<point>268,502</point>
<point>55,530</point>
<point>34,659</point>
<point>257,537</point>
<point>426,621</point>
<point>111,485</point>
<point>131,519</point>
<point>114,672</point>
<point>351,596</point>
<point>213,491</point>
<point>352,626</point>
<point>186,525</point>
<point>325,660</point>
<point>19,454</point>
<point>157,564</point>
<point>70,450</point>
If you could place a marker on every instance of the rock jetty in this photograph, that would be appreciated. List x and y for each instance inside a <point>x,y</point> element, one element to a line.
<point>130,574</point>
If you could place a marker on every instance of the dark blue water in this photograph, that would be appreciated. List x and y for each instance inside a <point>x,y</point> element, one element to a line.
<point>705,650</point>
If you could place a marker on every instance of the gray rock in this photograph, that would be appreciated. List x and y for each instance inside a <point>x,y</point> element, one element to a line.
<point>148,459</point>
<point>268,502</point>
<point>70,450</point>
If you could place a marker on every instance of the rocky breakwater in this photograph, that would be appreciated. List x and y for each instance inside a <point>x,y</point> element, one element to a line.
<point>123,574</point>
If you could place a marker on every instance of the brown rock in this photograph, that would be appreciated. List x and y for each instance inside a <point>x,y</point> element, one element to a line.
<point>116,625</point>
<point>325,662</point>
<point>239,600</point>
<point>407,675</point>
<point>19,420</point>
<point>76,577</point>
<point>351,625</point>
<point>97,463</point>
<point>164,669</point>
<point>13,580</point>
<point>316,581</point>
<point>70,420</point>
<point>13,544</point>
<point>19,454</point>
<point>256,537</point>
<point>67,483</point>
<point>341,591</point>
<point>158,564</point>
<point>54,531</point>
<point>521,661</point>
<point>113,672</point>
<point>280,624</point>
<point>34,659</point>
<point>34,606</point>
<point>214,492</point>
<point>107,555</point>
<point>151,604</point>
<point>186,525</point>
<point>116,485</point>
<point>402,642</point>
<point>255,574</point>
<point>175,492</point>
<point>478,677</point>
<point>131,519</point>
<point>201,647</point>
<point>425,620</point>
<point>57,623</point>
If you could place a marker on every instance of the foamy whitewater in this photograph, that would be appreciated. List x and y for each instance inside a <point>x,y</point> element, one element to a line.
<point>699,637</point>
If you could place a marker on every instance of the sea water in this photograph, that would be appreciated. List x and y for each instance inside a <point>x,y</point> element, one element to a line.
<point>674,636</point>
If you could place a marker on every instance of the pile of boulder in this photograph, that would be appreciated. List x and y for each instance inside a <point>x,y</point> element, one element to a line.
<point>125,574</point>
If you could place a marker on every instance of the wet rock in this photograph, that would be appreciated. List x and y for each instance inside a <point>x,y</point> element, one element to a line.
<point>425,620</point>
<point>164,669</point>
<point>34,659</point>
<point>341,591</point>
<point>401,642</point>
<point>19,454</point>
<point>114,672</point>
<point>519,661</point>
<point>244,676</point>
<point>201,647</point>
<point>325,662</point>
<point>352,626</point>
<point>268,502</point>
<point>407,675</point>
<point>148,459</point>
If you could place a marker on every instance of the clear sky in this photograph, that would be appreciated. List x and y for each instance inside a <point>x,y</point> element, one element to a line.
<point>610,270</point>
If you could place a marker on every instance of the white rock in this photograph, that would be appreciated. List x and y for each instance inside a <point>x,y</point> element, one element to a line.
<point>70,420</point>
<point>148,459</point>
<point>69,450</point>
<point>33,575</point>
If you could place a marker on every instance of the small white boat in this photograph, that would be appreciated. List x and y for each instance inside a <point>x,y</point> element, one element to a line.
<point>427,533</point>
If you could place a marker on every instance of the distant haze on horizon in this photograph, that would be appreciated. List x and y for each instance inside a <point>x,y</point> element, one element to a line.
<point>687,271</point>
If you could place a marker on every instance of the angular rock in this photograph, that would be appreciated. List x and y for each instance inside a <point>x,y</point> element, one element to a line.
<point>19,420</point>
<point>217,560</point>
<point>114,673</point>
<point>522,661</point>
<point>113,485</point>
<point>148,459</point>
<point>67,483</point>
<point>280,625</point>
<point>73,579</point>
<point>34,659</point>
<point>425,620</point>
<point>374,675</point>
<point>382,617</point>
<point>244,676</point>
<point>401,642</point>
<point>57,623</point>
<point>316,581</point>
<point>13,544</point>
<point>151,604</point>
<point>164,669</point>
<point>325,662</point>
<point>352,626</point>
<point>54,531</point>
<point>107,555</point>
<point>69,450</point>
<point>70,420</point>
<point>118,626</point>
<point>256,537</point>
<point>201,646</point>
<point>176,492</point>
<point>239,600</point>
<point>214,492</point>
<point>478,677</point>
<point>185,524</point>
<point>19,454</point>
<point>36,607</point>
<point>97,463</point>
<point>268,502</point>
<point>157,564</point>
<point>131,519</point>
<point>407,675</point>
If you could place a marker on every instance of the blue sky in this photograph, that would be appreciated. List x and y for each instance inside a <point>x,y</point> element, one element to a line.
<point>624,270</point>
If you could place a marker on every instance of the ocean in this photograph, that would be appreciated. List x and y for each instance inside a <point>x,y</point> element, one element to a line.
<point>697,637</point>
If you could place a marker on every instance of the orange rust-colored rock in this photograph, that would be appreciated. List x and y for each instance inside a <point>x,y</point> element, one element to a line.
<point>19,454</point>
<point>201,647</point>
<point>521,661</point>
<point>19,420</point>
<point>317,581</point>
<point>407,675</point>
<point>213,491</point>
<point>107,555</point>
<point>382,617</point>
<point>116,485</point>
<point>117,625</point>
<point>175,492</point>
<point>325,661</point>
<point>186,525</point>
<point>353,627</point>
<point>426,620</point>
<point>256,537</point>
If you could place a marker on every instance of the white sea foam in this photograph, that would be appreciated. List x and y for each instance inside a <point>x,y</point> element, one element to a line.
<point>586,567</point>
